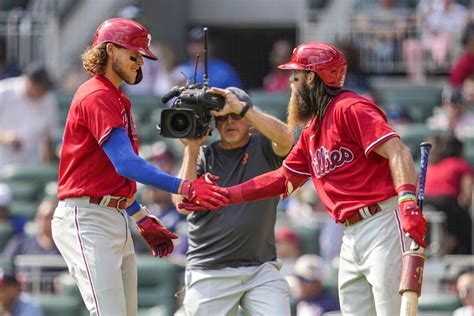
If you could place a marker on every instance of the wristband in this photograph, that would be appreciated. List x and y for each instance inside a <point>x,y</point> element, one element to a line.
<point>406,189</point>
<point>244,109</point>
<point>407,197</point>
<point>133,208</point>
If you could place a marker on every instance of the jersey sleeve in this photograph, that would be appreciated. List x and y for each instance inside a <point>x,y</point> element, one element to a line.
<point>297,160</point>
<point>365,124</point>
<point>102,112</point>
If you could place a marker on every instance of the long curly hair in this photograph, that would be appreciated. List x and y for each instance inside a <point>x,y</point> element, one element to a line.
<point>94,59</point>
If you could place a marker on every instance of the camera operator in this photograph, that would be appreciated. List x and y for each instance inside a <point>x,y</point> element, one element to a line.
<point>231,258</point>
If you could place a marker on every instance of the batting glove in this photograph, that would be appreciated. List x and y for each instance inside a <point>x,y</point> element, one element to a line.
<point>158,238</point>
<point>413,221</point>
<point>205,193</point>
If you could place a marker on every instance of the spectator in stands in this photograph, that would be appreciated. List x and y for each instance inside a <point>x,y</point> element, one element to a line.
<point>277,80</point>
<point>468,92</point>
<point>41,242</point>
<point>6,199</point>
<point>440,24</point>
<point>7,69</point>
<point>449,185</point>
<point>453,114</point>
<point>12,301</point>
<point>463,67</point>
<point>356,78</point>
<point>465,287</point>
<point>313,300</point>
<point>29,118</point>
<point>221,74</point>
<point>288,248</point>
<point>380,29</point>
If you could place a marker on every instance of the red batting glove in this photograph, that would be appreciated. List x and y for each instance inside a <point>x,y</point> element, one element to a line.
<point>204,192</point>
<point>159,239</point>
<point>413,221</point>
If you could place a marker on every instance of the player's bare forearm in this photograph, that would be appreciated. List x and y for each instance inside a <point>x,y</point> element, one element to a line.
<point>188,172</point>
<point>400,160</point>
<point>275,130</point>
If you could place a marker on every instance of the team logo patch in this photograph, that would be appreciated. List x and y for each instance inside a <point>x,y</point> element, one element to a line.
<point>324,161</point>
<point>245,159</point>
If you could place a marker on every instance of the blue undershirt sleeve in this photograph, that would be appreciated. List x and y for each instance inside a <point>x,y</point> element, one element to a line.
<point>128,164</point>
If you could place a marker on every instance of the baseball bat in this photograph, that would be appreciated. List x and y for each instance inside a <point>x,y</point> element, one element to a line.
<point>414,259</point>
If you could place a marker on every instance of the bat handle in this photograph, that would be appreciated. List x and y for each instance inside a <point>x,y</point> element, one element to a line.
<point>409,304</point>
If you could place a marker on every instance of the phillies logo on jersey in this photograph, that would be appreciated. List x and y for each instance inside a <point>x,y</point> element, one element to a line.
<point>324,162</point>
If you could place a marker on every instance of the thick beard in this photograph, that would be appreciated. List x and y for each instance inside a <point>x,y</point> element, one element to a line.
<point>300,110</point>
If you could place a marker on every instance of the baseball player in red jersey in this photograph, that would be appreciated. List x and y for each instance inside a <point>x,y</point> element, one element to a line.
<point>99,167</point>
<point>358,166</point>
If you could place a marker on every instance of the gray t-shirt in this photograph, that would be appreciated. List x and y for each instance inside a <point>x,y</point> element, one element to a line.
<point>241,234</point>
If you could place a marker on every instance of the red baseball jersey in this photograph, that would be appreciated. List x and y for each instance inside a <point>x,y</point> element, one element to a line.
<point>337,153</point>
<point>84,168</point>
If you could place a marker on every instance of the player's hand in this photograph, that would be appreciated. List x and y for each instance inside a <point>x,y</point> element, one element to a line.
<point>158,238</point>
<point>192,207</point>
<point>232,103</point>
<point>205,192</point>
<point>195,143</point>
<point>413,221</point>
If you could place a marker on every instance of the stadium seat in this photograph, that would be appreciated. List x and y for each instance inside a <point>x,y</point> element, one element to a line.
<point>64,101</point>
<point>24,208</point>
<point>309,237</point>
<point>143,106</point>
<point>31,173</point>
<point>275,104</point>
<point>22,190</point>
<point>413,135</point>
<point>6,232</point>
<point>440,302</point>
<point>469,149</point>
<point>419,101</point>
<point>157,283</point>
<point>58,305</point>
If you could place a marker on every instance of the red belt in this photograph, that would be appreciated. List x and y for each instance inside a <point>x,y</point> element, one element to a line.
<point>120,203</point>
<point>361,214</point>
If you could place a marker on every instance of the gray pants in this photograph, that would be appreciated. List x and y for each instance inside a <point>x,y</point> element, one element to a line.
<point>259,290</point>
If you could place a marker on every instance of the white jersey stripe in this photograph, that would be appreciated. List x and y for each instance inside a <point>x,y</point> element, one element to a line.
<point>294,171</point>
<point>369,148</point>
<point>104,136</point>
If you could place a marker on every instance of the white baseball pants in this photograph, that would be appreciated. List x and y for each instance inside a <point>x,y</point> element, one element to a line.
<point>96,244</point>
<point>371,264</point>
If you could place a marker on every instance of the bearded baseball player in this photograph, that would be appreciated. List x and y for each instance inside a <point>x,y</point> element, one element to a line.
<point>361,170</point>
<point>99,167</point>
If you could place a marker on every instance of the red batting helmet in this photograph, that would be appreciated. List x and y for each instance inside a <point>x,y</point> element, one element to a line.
<point>324,59</point>
<point>126,33</point>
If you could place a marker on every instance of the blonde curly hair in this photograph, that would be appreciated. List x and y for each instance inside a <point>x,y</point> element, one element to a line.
<point>94,59</point>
